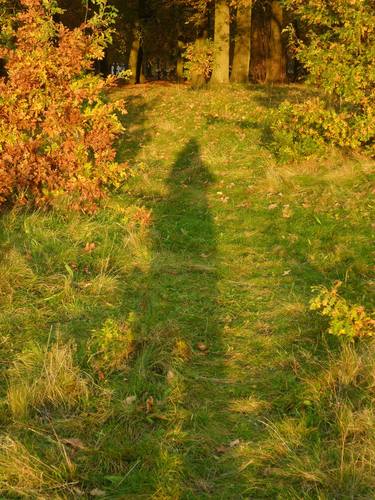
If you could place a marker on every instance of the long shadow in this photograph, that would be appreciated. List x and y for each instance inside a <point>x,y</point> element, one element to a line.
<point>184,242</point>
<point>182,355</point>
<point>182,301</point>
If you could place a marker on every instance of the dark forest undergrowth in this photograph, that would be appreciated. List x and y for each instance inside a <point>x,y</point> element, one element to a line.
<point>163,348</point>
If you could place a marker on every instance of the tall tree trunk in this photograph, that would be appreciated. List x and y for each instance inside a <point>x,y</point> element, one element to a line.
<point>276,61</point>
<point>180,61</point>
<point>259,42</point>
<point>134,54</point>
<point>220,73</point>
<point>141,66</point>
<point>242,43</point>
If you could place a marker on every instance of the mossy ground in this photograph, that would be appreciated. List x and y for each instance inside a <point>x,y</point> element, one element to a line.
<point>211,250</point>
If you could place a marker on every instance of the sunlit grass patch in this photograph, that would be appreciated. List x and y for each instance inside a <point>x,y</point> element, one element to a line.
<point>112,345</point>
<point>329,446</point>
<point>249,405</point>
<point>15,273</point>
<point>45,378</point>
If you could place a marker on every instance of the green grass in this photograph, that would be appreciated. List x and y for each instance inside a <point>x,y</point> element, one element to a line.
<point>228,386</point>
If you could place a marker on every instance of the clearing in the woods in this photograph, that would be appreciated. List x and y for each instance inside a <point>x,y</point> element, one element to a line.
<point>206,263</point>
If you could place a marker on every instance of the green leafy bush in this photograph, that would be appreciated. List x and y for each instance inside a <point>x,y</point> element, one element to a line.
<point>339,55</point>
<point>344,319</point>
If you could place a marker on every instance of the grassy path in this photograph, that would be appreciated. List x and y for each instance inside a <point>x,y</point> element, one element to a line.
<point>216,400</point>
<point>236,246</point>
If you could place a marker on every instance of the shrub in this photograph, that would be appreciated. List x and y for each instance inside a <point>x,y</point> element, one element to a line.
<point>339,55</point>
<point>199,60</point>
<point>344,319</point>
<point>56,127</point>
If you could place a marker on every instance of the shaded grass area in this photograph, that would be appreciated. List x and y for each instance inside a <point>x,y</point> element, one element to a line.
<point>228,387</point>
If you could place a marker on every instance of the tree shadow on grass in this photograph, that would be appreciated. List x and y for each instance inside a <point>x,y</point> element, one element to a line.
<point>269,98</point>
<point>136,134</point>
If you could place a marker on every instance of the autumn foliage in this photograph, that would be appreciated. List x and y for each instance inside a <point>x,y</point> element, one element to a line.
<point>338,51</point>
<point>57,129</point>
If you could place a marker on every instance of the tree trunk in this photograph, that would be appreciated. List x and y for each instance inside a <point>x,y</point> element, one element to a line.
<point>141,65</point>
<point>242,43</point>
<point>220,73</point>
<point>276,63</point>
<point>135,54</point>
<point>259,42</point>
<point>180,62</point>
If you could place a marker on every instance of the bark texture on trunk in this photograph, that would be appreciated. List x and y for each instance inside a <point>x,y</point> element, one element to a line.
<point>276,61</point>
<point>242,43</point>
<point>259,42</point>
<point>134,55</point>
<point>220,72</point>
<point>180,62</point>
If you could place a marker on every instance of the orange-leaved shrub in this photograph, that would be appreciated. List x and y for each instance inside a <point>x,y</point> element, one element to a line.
<point>57,128</point>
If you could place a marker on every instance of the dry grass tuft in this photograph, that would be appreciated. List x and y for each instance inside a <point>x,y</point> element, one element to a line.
<point>15,272</point>
<point>248,405</point>
<point>26,475</point>
<point>330,446</point>
<point>45,377</point>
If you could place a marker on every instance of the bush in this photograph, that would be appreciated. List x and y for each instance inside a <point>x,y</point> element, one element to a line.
<point>339,55</point>
<point>344,319</point>
<point>199,59</point>
<point>56,127</point>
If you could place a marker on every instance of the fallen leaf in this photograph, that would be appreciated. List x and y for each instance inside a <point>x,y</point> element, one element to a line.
<point>272,206</point>
<point>89,247</point>
<point>130,400</point>
<point>244,204</point>
<point>287,212</point>
<point>285,273</point>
